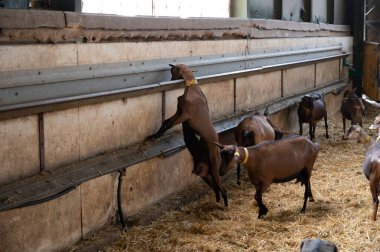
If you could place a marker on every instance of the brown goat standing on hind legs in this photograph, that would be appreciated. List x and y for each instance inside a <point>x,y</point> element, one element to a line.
<point>192,112</point>
<point>274,162</point>
<point>371,164</point>
<point>311,109</point>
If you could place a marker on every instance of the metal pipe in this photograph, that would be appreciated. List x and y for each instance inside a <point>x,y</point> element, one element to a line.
<point>119,207</point>
<point>41,134</point>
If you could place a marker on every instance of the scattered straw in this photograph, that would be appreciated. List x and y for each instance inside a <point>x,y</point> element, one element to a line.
<point>341,211</point>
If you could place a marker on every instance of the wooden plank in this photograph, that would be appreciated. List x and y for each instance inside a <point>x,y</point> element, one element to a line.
<point>370,69</point>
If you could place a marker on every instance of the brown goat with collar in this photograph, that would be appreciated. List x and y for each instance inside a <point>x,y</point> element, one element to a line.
<point>273,162</point>
<point>192,112</point>
<point>253,130</point>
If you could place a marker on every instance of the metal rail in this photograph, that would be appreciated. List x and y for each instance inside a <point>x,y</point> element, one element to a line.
<point>32,99</point>
<point>48,185</point>
<point>46,105</point>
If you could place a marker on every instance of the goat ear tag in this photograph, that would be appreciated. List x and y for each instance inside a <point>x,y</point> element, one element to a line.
<point>237,156</point>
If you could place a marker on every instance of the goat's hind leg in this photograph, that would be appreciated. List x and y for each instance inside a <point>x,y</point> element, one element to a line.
<point>374,186</point>
<point>326,126</point>
<point>208,179</point>
<point>215,160</point>
<point>307,194</point>
<point>311,198</point>
<point>260,189</point>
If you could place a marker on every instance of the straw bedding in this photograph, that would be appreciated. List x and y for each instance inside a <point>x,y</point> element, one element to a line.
<point>341,211</point>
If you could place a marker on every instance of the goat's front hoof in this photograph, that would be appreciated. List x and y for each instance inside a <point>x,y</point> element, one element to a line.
<point>261,216</point>
<point>327,136</point>
<point>344,138</point>
<point>262,213</point>
<point>303,210</point>
<point>311,199</point>
<point>238,182</point>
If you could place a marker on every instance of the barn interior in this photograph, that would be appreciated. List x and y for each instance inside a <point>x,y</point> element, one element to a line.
<point>84,83</point>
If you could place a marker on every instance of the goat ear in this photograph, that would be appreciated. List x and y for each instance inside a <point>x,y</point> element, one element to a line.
<point>221,146</point>
<point>171,65</point>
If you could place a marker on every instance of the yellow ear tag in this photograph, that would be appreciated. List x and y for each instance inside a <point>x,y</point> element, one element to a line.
<point>368,139</point>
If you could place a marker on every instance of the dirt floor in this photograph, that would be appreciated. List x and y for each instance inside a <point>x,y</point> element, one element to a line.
<point>193,221</point>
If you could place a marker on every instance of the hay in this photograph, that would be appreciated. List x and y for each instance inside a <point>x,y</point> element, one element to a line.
<point>341,211</point>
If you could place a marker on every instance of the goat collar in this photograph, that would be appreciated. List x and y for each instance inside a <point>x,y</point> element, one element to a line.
<point>189,83</point>
<point>237,154</point>
<point>368,138</point>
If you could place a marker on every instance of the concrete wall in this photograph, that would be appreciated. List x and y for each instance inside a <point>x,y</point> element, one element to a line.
<point>83,132</point>
<point>19,148</point>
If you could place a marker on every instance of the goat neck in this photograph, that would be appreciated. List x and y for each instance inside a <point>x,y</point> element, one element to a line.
<point>188,76</point>
<point>241,155</point>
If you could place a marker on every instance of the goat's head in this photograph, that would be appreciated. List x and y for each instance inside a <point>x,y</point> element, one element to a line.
<point>377,120</point>
<point>307,102</point>
<point>181,71</point>
<point>355,132</point>
<point>176,72</point>
<point>350,93</point>
<point>228,156</point>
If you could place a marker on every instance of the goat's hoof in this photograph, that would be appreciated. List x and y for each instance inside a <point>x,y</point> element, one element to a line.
<point>327,136</point>
<point>238,182</point>
<point>262,213</point>
<point>303,210</point>
<point>311,199</point>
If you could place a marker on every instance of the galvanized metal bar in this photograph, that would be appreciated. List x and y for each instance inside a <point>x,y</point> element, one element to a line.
<point>23,78</point>
<point>25,108</point>
<point>43,84</point>
<point>38,188</point>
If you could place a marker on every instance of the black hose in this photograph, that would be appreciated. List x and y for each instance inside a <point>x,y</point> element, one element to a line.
<point>120,210</point>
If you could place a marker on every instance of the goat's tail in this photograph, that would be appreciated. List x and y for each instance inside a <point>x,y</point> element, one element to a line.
<point>248,136</point>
